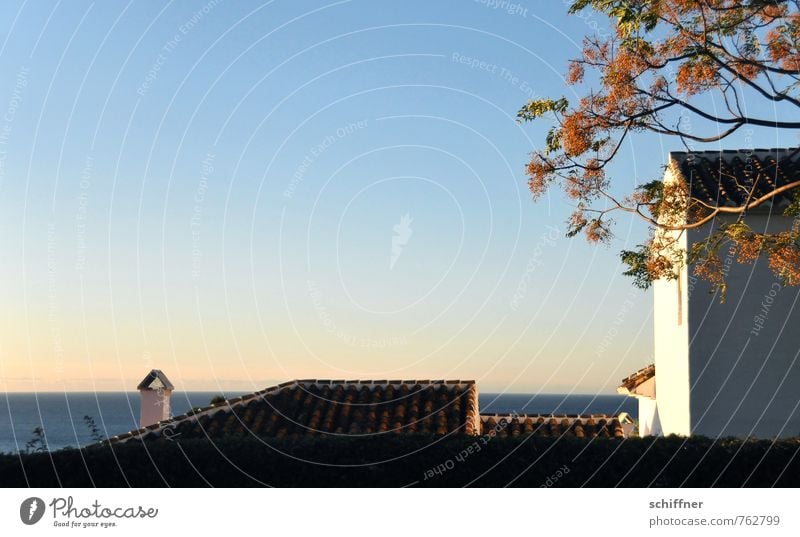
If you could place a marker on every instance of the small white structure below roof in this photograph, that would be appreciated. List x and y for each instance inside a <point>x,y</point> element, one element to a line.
<point>640,384</point>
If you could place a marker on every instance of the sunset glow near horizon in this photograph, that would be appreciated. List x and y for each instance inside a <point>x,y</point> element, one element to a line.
<point>242,194</point>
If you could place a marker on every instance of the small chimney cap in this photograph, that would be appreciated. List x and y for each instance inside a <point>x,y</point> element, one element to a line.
<point>155,380</point>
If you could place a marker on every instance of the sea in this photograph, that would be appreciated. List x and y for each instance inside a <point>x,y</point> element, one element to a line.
<point>66,419</point>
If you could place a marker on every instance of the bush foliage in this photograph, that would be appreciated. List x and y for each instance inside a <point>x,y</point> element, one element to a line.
<point>413,460</point>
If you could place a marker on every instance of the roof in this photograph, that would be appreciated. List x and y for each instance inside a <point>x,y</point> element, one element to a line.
<point>155,380</point>
<point>633,381</point>
<point>333,407</point>
<point>580,426</point>
<point>725,178</point>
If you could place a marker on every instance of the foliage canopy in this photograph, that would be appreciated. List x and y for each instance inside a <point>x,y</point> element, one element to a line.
<point>652,73</point>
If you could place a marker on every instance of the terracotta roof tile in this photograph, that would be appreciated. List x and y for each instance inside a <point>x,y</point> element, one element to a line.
<point>726,177</point>
<point>632,381</point>
<point>581,426</point>
<point>324,407</point>
<point>314,407</point>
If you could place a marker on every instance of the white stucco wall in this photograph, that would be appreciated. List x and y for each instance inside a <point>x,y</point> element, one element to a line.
<point>744,363</point>
<point>728,368</point>
<point>743,355</point>
<point>155,406</point>
<point>649,423</point>
<point>671,339</point>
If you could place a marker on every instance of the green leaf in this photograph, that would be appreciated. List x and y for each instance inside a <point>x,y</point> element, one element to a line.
<point>537,108</point>
<point>794,207</point>
<point>736,230</point>
<point>637,263</point>
<point>578,5</point>
<point>553,140</point>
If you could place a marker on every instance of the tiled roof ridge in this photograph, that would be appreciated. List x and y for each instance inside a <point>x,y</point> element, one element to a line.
<point>729,177</point>
<point>305,382</point>
<point>471,395</point>
<point>513,424</point>
<point>742,151</point>
<point>647,371</point>
<point>230,404</point>
<point>488,415</point>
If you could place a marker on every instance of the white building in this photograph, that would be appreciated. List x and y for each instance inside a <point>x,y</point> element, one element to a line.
<point>727,368</point>
<point>156,392</point>
<point>642,385</point>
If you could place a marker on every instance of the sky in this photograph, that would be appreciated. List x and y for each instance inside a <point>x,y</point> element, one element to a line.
<point>243,193</point>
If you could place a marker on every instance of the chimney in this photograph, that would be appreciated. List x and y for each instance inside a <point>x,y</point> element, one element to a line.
<point>156,390</point>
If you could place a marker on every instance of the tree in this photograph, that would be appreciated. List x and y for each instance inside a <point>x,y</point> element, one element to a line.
<point>38,442</point>
<point>94,431</point>
<point>654,73</point>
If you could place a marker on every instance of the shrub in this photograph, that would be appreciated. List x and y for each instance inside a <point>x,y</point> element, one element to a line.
<point>391,461</point>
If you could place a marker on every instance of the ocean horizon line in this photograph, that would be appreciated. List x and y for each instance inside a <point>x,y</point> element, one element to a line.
<point>45,392</point>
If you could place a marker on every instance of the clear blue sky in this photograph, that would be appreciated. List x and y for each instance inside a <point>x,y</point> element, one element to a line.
<point>214,190</point>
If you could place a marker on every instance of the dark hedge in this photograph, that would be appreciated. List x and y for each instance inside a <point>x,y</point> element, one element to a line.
<point>414,460</point>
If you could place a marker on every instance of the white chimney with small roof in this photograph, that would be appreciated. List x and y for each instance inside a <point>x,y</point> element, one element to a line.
<point>156,391</point>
